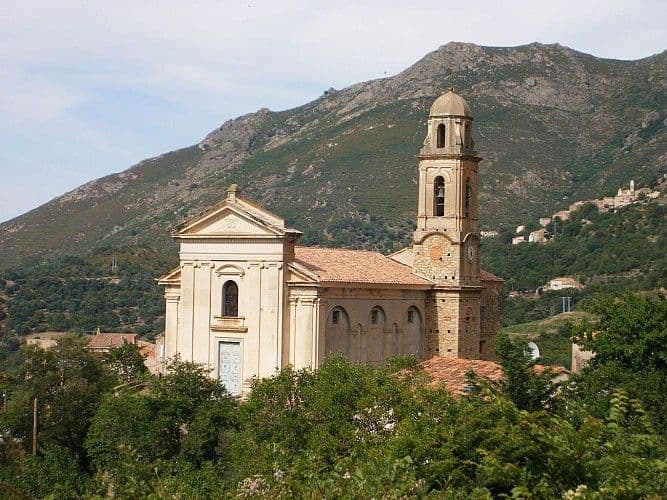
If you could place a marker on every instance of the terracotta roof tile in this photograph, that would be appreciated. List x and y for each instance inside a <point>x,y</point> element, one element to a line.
<point>355,266</point>
<point>108,340</point>
<point>452,372</point>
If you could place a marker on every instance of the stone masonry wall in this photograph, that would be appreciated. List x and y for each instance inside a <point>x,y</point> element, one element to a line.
<point>491,318</point>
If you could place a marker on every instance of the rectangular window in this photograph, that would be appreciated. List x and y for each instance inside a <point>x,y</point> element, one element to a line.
<point>374,316</point>
<point>411,316</point>
<point>335,317</point>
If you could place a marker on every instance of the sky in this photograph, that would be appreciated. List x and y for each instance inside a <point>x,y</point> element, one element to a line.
<point>88,88</point>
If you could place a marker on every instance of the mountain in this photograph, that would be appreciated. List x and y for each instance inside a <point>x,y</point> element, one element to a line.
<point>554,125</point>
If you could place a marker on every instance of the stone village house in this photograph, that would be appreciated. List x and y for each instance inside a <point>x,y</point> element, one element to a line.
<point>246,300</point>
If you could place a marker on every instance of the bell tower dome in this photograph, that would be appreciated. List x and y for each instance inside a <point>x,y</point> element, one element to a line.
<point>448,170</point>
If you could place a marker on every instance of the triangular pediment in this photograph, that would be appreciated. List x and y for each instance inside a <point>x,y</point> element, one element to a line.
<point>173,276</point>
<point>230,220</point>
<point>299,274</point>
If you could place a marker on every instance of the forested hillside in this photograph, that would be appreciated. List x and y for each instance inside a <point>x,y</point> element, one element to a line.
<point>621,249</point>
<point>82,293</point>
<point>620,246</point>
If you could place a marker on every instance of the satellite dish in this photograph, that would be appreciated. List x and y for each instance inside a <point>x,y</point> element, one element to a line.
<point>533,350</point>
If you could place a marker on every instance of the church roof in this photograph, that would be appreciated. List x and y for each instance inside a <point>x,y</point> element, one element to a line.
<point>452,373</point>
<point>487,276</point>
<point>450,103</point>
<point>338,265</point>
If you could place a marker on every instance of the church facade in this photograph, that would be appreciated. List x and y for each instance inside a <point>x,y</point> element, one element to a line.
<point>246,300</point>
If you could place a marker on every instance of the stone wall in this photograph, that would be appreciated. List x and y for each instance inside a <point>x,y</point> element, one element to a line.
<point>398,328</point>
<point>437,258</point>
<point>453,323</point>
<point>491,318</point>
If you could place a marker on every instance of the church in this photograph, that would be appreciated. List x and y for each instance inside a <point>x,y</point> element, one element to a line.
<point>246,300</point>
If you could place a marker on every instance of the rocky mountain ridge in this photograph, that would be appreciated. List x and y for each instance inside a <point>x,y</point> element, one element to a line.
<point>554,125</point>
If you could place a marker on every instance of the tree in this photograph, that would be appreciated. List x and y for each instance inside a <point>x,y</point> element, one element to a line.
<point>126,361</point>
<point>629,337</point>
<point>630,331</point>
<point>68,382</point>
<point>526,389</point>
<point>184,412</point>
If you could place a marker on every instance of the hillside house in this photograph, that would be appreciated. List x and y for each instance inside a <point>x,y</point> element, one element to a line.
<point>563,282</point>
<point>104,342</point>
<point>539,236</point>
<point>562,215</point>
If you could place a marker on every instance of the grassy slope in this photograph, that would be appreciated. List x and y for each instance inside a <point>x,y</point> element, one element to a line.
<point>552,336</point>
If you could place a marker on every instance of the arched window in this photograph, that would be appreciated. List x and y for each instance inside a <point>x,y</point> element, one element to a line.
<point>439,196</point>
<point>338,318</point>
<point>377,317</point>
<point>441,135</point>
<point>230,299</point>
<point>468,196</point>
<point>414,317</point>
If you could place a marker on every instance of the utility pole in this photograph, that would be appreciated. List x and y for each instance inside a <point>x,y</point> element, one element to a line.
<point>34,427</point>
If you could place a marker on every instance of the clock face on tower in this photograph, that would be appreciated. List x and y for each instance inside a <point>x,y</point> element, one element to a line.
<point>470,252</point>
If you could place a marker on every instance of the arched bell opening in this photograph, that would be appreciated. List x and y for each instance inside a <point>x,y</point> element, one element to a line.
<point>439,196</point>
<point>441,135</point>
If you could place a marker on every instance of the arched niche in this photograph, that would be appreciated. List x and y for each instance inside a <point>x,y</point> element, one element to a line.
<point>468,198</point>
<point>336,333</point>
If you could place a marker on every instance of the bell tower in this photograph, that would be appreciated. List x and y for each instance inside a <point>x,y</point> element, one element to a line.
<point>446,241</point>
<point>448,170</point>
